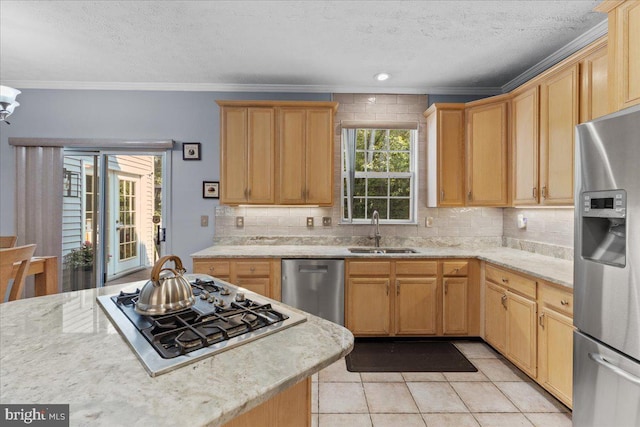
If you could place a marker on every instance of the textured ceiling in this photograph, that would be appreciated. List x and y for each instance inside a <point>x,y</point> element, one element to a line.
<point>318,45</point>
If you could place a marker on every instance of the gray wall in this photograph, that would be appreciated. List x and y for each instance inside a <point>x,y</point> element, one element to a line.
<point>181,116</point>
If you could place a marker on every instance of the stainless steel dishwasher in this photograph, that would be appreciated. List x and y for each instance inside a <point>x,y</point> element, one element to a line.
<point>315,286</point>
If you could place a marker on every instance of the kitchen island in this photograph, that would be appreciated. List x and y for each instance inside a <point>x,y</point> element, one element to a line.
<point>62,349</point>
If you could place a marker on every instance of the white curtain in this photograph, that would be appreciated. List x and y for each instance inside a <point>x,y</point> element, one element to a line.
<point>39,202</point>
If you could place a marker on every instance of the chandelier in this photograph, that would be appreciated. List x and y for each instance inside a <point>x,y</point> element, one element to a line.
<point>7,102</point>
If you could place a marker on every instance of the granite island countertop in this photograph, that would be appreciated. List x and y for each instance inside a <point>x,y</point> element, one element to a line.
<point>62,349</point>
<point>554,270</point>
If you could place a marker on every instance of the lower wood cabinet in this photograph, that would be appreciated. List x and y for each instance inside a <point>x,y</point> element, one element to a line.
<point>412,297</point>
<point>290,408</point>
<point>530,323</point>
<point>510,316</point>
<point>258,275</point>
<point>555,342</point>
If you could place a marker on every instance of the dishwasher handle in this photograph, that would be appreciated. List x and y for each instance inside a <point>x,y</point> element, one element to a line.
<point>313,268</point>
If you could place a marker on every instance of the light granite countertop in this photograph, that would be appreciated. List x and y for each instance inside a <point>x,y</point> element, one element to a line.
<point>62,349</point>
<point>554,270</point>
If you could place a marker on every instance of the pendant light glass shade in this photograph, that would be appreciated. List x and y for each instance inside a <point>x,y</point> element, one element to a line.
<point>7,101</point>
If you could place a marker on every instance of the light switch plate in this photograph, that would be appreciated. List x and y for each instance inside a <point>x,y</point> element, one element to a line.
<point>326,220</point>
<point>239,221</point>
<point>428,222</point>
<point>204,220</point>
<point>309,221</point>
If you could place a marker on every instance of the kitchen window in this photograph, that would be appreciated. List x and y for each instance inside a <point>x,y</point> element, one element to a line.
<point>379,172</point>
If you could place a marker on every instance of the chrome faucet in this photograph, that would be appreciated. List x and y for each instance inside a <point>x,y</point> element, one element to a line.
<point>375,219</point>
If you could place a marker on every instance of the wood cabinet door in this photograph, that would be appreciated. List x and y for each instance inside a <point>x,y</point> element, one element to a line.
<point>319,157</point>
<point>495,316</point>
<point>555,354</point>
<point>233,155</point>
<point>261,155</point>
<point>558,119</point>
<point>450,168</point>
<point>525,142</point>
<point>487,148</point>
<point>292,163</point>
<point>521,332</point>
<point>594,89</point>
<point>627,53</point>
<point>259,285</point>
<point>368,306</point>
<point>416,306</point>
<point>454,306</point>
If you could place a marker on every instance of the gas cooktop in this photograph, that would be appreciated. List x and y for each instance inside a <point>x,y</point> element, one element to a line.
<point>223,317</point>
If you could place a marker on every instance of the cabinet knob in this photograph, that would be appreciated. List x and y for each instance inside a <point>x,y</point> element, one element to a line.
<point>505,280</point>
<point>212,268</point>
<point>564,302</point>
<point>252,269</point>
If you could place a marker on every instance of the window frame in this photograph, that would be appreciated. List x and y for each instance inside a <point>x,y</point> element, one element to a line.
<point>346,179</point>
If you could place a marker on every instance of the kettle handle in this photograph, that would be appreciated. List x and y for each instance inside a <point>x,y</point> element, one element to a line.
<point>157,268</point>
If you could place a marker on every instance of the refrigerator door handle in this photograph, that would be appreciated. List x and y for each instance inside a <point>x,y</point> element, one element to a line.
<point>617,370</point>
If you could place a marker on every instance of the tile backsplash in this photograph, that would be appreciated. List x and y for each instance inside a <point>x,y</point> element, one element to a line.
<point>549,231</point>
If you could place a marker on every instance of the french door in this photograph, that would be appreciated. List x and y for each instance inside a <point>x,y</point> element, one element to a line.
<point>114,211</point>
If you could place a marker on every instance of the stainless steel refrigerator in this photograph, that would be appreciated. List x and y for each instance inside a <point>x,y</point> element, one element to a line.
<point>606,354</point>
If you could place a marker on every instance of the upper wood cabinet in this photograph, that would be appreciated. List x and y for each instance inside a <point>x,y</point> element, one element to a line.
<point>559,110</point>
<point>306,156</point>
<point>247,157</point>
<point>445,155</point>
<point>594,92</point>
<point>296,170</point>
<point>487,152</point>
<point>624,52</point>
<point>525,115</point>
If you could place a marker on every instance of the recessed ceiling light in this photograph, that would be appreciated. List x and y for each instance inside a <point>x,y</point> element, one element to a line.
<point>381,77</point>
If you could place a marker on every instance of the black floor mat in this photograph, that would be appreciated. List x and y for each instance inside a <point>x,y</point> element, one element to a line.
<point>386,355</point>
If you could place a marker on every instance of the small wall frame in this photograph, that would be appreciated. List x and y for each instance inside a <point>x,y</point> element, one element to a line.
<point>191,151</point>
<point>210,190</point>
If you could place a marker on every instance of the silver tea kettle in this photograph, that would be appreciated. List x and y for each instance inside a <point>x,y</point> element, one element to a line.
<point>167,291</point>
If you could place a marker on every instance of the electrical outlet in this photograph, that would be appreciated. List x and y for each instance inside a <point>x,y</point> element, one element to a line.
<point>239,221</point>
<point>428,222</point>
<point>309,221</point>
<point>204,221</point>
<point>326,220</point>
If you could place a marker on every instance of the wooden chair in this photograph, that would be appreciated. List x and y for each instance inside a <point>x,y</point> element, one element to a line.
<point>8,241</point>
<point>8,257</point>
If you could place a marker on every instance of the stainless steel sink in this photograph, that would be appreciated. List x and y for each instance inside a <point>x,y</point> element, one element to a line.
<point>382,251</point>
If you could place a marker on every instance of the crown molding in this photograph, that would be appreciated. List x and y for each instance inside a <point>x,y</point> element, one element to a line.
<point>567,50</point>
<point>217,87</point>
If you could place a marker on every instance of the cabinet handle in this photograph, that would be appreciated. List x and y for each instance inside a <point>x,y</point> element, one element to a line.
<point>544,192</point>
<point>246,193</point>
<point>564,302</point>
<point>469,195</point>
<point>442,195</point>
<point>446,288</point>
<point>541,320</point>
<point>387,288</point>
<point>212,268</point>
<point>397,287</point>
<point>535,192</point>
<point>503,300</point>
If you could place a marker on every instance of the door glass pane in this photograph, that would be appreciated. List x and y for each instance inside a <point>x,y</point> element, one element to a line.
<point>79,222</point>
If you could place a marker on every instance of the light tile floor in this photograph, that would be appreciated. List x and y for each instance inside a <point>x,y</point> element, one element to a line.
<point>497,395</point>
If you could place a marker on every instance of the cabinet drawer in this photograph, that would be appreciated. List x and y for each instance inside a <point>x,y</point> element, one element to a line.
<point>212,268</point>
<point>417,268</point>
<point>369,268</point>
<point>556,298</point>
<point>455,268</point>
<point>253,268</point>
<point>513,281</point>
<point>259,285</point>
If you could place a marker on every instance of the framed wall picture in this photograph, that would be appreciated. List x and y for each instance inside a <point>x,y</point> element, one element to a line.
<point>210,190</point>
<point>191,151</point>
